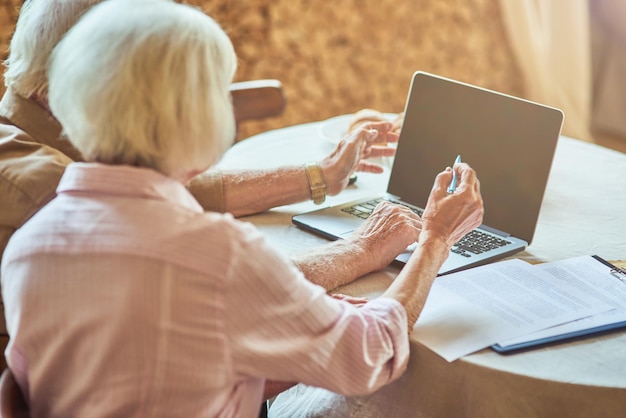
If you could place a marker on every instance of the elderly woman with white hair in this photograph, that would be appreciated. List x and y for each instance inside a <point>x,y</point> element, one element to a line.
<point>124,298</point>
<point>34,154</point>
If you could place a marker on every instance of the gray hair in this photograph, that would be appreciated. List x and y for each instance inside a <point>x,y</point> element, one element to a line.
<point>40,26</point>
<point>145,83</point>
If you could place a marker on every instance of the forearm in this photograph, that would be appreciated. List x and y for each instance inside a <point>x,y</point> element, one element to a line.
<point>253,191</point>
<point>413,284</point>
<point>373,246</point>
<point>333,264</point>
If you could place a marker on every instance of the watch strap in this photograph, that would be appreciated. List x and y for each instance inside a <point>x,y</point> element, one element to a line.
<point>316,182</point>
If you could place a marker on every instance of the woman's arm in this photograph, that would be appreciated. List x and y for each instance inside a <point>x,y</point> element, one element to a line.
<point>446,219</point>
<point>244,192</point>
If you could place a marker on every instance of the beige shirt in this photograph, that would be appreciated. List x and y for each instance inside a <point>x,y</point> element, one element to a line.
<point>33,156</point>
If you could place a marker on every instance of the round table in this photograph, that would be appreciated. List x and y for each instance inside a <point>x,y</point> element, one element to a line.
<point>583,212</point>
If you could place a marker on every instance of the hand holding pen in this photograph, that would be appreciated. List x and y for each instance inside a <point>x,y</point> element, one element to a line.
<point>455,205</point>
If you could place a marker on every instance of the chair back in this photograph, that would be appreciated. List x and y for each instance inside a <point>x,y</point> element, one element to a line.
<point>257,99</point>
<point>12,402</point>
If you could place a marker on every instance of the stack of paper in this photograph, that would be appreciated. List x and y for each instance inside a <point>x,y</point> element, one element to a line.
<point>513,304</point>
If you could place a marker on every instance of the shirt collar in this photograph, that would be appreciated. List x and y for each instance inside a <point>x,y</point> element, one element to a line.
<point>123,180</point>
<point>33,119</point>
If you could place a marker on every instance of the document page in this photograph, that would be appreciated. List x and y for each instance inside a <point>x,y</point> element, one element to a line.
<point>595,280</point>
<point>473,309</point>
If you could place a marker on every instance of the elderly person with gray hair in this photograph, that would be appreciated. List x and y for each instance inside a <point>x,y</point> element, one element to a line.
<point>33,154</point>
<point>124,298</point>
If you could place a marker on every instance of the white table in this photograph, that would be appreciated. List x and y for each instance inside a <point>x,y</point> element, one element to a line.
<point>584,212</point>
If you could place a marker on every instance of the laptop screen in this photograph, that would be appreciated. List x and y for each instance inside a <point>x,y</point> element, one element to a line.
<point>510,142</point>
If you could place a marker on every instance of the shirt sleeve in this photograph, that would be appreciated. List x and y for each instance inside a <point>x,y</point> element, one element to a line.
<point>283,327</point>
<point>208,189</point>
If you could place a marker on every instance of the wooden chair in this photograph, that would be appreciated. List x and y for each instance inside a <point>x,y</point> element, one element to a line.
<point>12,402</point>
<point>257,99</point>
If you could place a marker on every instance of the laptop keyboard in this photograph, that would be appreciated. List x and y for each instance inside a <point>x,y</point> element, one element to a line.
<point>475,242</point>
<point>478,242</point>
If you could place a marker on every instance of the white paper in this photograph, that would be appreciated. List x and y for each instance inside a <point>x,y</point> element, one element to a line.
<point>474,309</point>
<point>593,278</point>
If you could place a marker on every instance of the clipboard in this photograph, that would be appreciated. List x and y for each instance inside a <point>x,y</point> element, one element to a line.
<point>619,274</point>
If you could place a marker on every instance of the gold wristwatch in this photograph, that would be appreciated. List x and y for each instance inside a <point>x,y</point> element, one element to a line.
<point>316,182</point>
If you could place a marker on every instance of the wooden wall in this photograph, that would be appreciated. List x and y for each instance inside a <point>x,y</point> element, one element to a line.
<point>8,15</point>
<point>337,57</point>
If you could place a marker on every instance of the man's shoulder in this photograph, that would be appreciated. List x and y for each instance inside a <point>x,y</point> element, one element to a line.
<point>24,121</point>
<point>19,150</point>
<point>8,131</point>
<point>21,156</point>
<point>29,174</point>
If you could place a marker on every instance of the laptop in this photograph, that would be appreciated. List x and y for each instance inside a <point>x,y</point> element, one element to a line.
<point>509,141</point>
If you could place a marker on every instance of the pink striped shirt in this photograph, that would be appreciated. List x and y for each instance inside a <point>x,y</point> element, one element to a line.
<point>124,298</point>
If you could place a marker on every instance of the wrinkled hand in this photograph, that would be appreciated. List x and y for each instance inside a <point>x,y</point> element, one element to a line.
<point>368,141</point>
<point>354,300</point>
<point>386,233</point>
<point>450,216</point>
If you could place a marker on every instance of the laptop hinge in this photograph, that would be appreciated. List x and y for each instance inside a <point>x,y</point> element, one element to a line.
<point>494,231</point>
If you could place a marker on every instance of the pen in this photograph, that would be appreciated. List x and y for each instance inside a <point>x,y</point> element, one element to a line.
<point>452,186</point>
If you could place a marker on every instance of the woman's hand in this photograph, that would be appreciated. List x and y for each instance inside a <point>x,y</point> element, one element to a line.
<point>368,141</point>
<point>450,216</point>
<point>388,231</point>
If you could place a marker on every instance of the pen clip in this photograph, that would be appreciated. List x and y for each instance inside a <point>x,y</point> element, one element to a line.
<point>619,273</point>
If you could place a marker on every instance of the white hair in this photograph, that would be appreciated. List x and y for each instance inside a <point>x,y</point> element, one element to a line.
<point>40,26</point>
<point>145,83</point>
